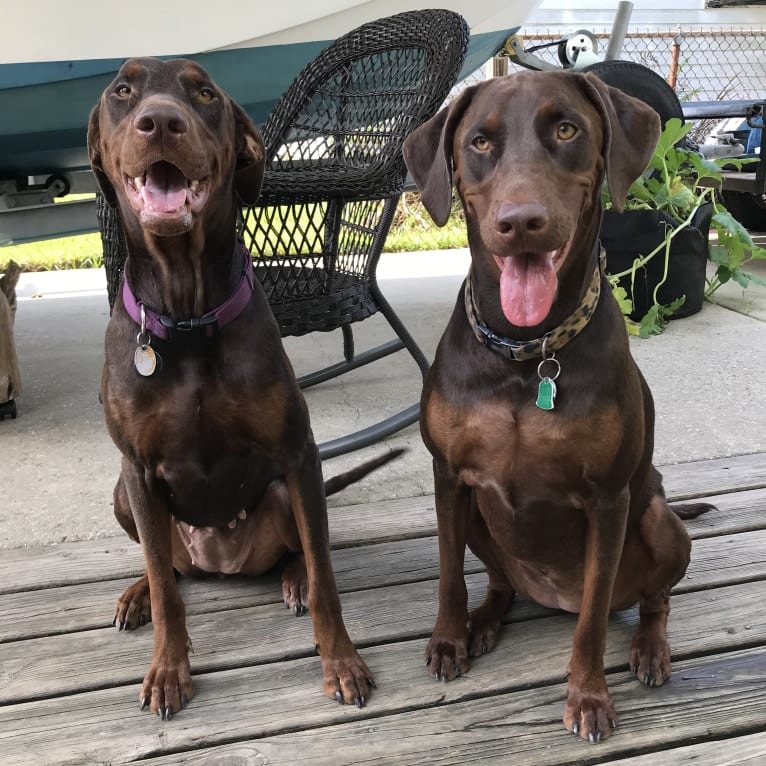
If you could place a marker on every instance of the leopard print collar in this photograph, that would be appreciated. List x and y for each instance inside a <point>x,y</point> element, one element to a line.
<point>519,351</point>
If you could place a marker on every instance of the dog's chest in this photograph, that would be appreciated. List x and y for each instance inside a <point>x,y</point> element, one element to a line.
<point>199,442</point>
<point>520,453</point>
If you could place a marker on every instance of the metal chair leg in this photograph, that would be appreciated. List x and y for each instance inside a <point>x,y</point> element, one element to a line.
<point>390,425</point>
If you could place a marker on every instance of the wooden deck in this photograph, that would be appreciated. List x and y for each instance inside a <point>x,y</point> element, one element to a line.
<point>69,682</point>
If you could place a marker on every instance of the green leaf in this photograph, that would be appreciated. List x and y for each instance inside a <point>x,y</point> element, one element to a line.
<point>672,133</point>
<point>736,162</point>
<point>723,273</point>
<point>702,167</point>
<point>725,222</point>
<point>662,198</point>
<point>650,323</point>
<point>718,254</point>
<point>709,166</point>
<point>640,190</point>
<point>681,196</point>
<point>656,319</point>
<point>674,306</point>
<point>623,301</point>
<point>742,278</point>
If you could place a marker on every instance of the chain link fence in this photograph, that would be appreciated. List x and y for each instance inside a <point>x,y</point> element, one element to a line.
<point>706,64</point>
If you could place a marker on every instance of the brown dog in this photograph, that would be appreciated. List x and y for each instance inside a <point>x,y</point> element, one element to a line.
<point>220,472</point>
<point>539,422</point>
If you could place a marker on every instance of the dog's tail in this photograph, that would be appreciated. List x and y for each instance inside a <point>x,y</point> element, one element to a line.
<point>691,510</point>
<point>342,480</point>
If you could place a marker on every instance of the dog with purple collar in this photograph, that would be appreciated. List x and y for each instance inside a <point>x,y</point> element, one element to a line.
<point>220,471</point>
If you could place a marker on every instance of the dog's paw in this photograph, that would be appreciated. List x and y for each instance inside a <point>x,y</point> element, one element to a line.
<point>447,659</point>
<point>485,621</point>
<point>167,688</point>
<point>295,586</point>
<point>483,636</point>
<point>347,680</point>
<point>134,607</point>
<point>650,658</point>
<point>589,712</point>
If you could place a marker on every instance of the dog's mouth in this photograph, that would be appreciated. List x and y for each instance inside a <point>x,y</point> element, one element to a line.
<point>165,199</point>
<point>528,284</point>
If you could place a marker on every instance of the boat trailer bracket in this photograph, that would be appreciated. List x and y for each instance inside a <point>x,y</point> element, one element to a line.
<point>18,193</point>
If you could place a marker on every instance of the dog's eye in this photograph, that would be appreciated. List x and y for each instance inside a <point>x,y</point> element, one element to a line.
<point>123,91</point>
<point>566,131</point>
<point>205,95</point>
<point>480,143</point>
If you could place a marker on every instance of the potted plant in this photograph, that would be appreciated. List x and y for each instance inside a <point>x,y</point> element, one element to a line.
<point>657,249</point>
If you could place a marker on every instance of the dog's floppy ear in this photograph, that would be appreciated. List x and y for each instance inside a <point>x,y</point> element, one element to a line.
<point>251,156</point>
<point>94,156</point>
<point>428,154</point>
<point>631,131</point>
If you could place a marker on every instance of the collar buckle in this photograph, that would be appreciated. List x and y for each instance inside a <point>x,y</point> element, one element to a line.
<point>512,351</point>
<point>190,329</point>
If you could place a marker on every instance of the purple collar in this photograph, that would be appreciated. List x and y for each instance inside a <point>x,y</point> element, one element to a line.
<point>160,326</point>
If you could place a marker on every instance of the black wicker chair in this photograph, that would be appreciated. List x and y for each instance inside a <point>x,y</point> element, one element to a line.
<point>334,175</point>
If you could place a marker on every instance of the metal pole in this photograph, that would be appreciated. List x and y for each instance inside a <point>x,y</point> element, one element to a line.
<point>619,30</point>
<point>675,54</point>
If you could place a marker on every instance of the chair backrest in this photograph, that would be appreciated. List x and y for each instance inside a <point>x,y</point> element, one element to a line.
<point>343,120</point>
<point>334,164</point>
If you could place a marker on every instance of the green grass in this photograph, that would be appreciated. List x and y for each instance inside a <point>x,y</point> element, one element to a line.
<point>411,240</point>
<point>80,252</point>
<point>412,230</point>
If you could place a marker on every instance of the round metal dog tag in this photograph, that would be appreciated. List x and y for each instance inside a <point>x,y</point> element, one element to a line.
<point>145,360</point>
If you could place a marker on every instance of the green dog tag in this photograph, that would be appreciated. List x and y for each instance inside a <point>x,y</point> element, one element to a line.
<point>546,394</point>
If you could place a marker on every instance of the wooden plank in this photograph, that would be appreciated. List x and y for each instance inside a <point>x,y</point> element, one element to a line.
<point>399,519</point>
<point>711,697</point>
<point>74,662</point>
<point>53,611</point>
<point>748,750</point>
<point>713,477</point>
<point>115,558</point>
<point>87,606</point>
<point>68,563</point>
<point>263,700</point>
<point>722,560</point>
<point>726,559</point>
<point>410,720</point>
<point>118,557</point>
<point>97,658</point>
<point>735,512</point>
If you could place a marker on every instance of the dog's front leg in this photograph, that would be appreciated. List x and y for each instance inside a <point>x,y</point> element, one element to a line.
<point>167,685</point>
<point>447,651</point>
<point>589,711</point>
<point>346,676</point>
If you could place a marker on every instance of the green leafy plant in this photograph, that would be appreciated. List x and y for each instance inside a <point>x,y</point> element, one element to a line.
<point>680,182</point>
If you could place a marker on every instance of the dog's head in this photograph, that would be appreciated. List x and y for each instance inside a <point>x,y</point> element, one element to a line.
<point>164,141</point>
<point>528,154</point>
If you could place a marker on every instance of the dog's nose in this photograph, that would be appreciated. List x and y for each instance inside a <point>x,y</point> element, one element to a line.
<point>159,120</point>
<point>515,220</point>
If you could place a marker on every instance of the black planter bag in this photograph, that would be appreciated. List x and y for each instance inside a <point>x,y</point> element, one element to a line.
<point>635,233</point>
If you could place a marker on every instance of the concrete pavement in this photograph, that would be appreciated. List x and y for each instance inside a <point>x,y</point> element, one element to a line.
<point>58,465</point>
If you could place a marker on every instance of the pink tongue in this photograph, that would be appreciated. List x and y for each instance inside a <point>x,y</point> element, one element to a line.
<point>527,288</point>
<point>165,188</point>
